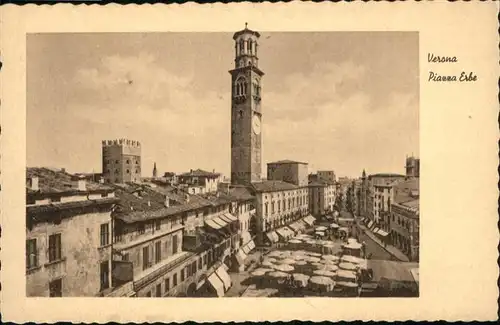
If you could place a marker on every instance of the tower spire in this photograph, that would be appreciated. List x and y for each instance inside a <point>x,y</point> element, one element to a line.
<point>154,170</point>
<point>246,25</point>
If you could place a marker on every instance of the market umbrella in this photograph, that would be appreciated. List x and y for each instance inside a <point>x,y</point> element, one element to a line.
<point>286,253</point>
<point>313,254</point>
<point>277,274</point>
<point>352,246</point>
<point>301,262</point>
<point>312,259</point>
<point>299,252</point>
<point>261,271</point>
<point>328,262</point>
<point>334,225</point>
<point>298,257</point>
<point>347,266</point>
<point>300,280</point>
<point>325,273</point>
<point>283,267</point>
<point>320,233</point>
<point>270,259</point>
<point>268,264</point>
<point>317,264</point>
<point>274,254</point>
<point>330,257</point>
<point>295,241</point>
<point>322,282</point>
<point>288,261</point>
<point>347,284</point>
<point>328,267</point>
<point>344,275</point>
<point>320,228</point>
<point>352,240</point>
<point>351,259</point>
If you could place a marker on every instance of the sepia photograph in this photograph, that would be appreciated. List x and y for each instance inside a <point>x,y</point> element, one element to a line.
<point>222,164</point>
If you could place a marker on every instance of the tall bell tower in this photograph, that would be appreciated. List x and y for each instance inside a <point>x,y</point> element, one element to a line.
<point>246,113</point>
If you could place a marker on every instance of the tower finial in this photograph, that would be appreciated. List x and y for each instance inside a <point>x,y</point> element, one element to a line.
<point>246,25</point>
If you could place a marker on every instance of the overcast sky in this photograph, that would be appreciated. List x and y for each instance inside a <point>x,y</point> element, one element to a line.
<point>341,101</point>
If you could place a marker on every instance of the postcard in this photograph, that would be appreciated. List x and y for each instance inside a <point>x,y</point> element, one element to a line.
<point>249,162</point>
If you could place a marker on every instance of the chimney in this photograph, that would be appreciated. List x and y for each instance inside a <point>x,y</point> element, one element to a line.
<point>191,171</point>
<point>32,183</point>
<point>63,170</point>
<point>213,171</point>
<point>79,183</point>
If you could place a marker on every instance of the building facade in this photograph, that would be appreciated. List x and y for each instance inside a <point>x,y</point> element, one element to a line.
<point>121,161</point>
<point>322,195</point>
<point>172,239</point>
<point>246,112</point>
<point>68,235</point>
<point>289,171</point>
<point>404,229</point>
<point>327,175</point>
<point>278,204</point>
<point>199,181</point>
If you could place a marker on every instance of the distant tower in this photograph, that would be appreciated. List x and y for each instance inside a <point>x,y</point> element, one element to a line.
<point>155,172</point>
<point>121,161</point>
<point>412,167</point>
<point>246,114</point>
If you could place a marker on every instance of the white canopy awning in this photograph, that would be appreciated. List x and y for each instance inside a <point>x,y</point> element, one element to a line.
<point>226,280</point>
<point>217,284</point>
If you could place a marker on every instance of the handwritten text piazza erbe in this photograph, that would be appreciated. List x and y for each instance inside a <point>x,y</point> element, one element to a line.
<point>436,77</point>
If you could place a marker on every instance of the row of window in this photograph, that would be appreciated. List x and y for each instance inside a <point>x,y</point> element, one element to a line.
<point>292,203</point>
<point>118,162</point>
<point>117,171</point>
<point>152,254</point>
<point>32,251</point>
<point>251,47</point>
<point>294,193</point>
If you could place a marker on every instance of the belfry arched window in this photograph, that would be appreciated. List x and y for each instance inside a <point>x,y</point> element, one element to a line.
<point>241,86</point>
<point>242,46</point>
<point>250,49</point>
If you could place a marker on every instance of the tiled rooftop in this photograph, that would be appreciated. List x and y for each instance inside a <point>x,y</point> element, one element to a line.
<point>140,202</point>
<point>199,173</point>
<point>272,186</point>
<point>58,181</point>
<point>286,161</point>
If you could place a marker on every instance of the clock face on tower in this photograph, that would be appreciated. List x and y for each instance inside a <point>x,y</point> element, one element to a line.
<point>256,124</point>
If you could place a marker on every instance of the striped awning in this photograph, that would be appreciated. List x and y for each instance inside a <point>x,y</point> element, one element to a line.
<point>298,225</point>
<point>251,244</point>
<point>212,224</point>
<point>370,224</point>
<point>309,220</point>
<point>219,221</point>
<point>246,249</point>
<point>289,231</point>
<point>382,233</point>
<point>224,218</point>
<point>230,217</point>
